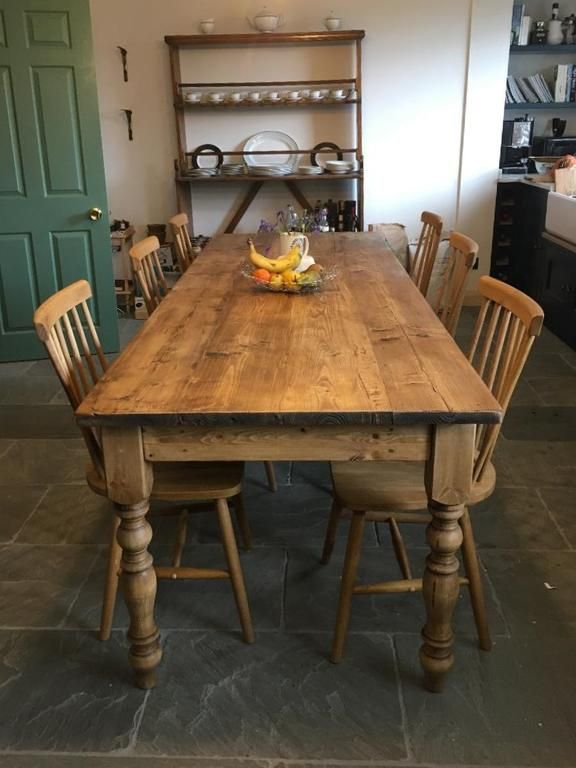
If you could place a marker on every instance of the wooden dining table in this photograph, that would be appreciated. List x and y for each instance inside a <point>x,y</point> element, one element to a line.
<point>361,370</point>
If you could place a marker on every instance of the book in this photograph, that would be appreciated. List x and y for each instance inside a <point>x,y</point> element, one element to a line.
<point>524,85</point>
<point>524,33</point>
<point>517,94</point>
<point>545,88</point>
<point>518,10</point>
<point>560,83</point>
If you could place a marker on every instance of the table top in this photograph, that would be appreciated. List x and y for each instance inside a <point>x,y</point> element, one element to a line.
<point>365,349</point>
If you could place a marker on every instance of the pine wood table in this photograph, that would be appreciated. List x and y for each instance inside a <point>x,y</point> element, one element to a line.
<point>362,370</point>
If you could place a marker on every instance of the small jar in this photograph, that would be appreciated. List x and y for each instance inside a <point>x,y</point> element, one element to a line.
<point>539,35</point>
<point>555,34</point>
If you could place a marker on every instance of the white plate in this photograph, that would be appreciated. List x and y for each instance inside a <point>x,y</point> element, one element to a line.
<point>267,140</point>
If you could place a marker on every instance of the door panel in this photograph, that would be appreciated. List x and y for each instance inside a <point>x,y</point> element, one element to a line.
<point>11,176</point>
<point>51,170</point>
<point>58,130</point>
<point>17,282</point>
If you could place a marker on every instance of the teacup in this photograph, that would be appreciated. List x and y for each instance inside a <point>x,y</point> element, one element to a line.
<point>305,93</point>
<point>236,96</point>
<point>273,95</point>
<point>293,95</point>
<point>337,93</point>
<point>207,25</point>
<point>315,95</point>
<point>194,97</point>
<point>287,239</point>
<point>254,96</point>
<point>216,97</point>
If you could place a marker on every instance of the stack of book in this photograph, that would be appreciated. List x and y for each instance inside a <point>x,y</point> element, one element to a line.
<point>532,89</point>
<point>521,25</point>
<point>565,86</point>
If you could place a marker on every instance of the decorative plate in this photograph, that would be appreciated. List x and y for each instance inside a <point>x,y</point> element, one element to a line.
<point>327,275</point>
<point>271,140</point>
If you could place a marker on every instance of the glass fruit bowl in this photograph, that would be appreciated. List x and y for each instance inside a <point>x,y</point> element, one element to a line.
<point>297,282</point>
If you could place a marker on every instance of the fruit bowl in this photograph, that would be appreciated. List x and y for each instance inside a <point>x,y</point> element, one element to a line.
<point>325,276</point>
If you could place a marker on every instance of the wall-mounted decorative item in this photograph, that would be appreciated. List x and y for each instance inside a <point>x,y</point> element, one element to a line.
<point>207,26</point>
<point>128,113</point>
<point>266,21</point>
<point>124,54</point>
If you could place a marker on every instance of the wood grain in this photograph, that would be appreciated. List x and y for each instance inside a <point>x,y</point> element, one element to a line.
<point>366,349</point>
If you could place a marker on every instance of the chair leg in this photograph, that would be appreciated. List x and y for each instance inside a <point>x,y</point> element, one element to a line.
<point>180,538</point>
<point>348,580</point>
<point>400,549</point>
<point>243,524</point>
<point>271,476</point>
<point>111,583</point>
<point>335,515</point>
<point>235,569</point>
<point>474,577</point>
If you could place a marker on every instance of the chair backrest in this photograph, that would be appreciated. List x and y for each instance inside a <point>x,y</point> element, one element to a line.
<point>507,324</point>
<point>148,272</point>
<point>182,242</point>
<point>426,250</point>
<point>447,303</point>
<point>64,325</point>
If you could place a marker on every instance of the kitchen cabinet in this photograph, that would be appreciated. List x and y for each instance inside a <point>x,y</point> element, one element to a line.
<point>348,58</point>
<point>558,287</point>
<point>519,220</point>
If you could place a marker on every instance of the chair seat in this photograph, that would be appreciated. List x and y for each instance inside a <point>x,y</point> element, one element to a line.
<point>185,481</point>
<point>392,485</point>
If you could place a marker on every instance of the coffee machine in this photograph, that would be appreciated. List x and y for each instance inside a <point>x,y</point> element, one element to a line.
<point>516,145</point>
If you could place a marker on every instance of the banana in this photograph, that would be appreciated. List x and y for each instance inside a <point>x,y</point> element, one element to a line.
<point>290,261</point>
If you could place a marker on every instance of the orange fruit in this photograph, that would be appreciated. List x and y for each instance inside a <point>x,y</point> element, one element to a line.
<point>261,275</point>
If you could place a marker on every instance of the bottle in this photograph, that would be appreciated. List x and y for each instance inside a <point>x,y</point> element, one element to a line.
<point>323,225</point>
<point>291,219</point>
<point>555,11</point>
<point>332,209</point>
<point>340,224</point>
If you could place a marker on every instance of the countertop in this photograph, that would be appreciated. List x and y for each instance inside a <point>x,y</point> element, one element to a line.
<point>531,179</point>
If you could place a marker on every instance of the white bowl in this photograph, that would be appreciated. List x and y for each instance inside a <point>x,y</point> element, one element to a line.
<point>266,23</point>
<point>338,165</point>
<point>332,23</point>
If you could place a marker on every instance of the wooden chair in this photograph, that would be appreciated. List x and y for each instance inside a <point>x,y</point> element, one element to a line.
<point>422,263</point>
<point>450,295</point>
<point>148,272</point>
<point>392,492</point>
<point>182,242</point>
<point>65,326</point>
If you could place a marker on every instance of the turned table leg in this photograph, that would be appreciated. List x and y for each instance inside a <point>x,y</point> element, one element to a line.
<point>448,484</point>
<point>129,483</point>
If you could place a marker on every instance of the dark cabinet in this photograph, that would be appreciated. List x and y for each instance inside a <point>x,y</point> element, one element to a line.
<point>519,220</point>
<point>558,287</point>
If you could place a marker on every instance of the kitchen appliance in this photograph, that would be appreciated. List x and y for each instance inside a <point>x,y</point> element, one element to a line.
<point>516,145</point>
<point>554,146</point>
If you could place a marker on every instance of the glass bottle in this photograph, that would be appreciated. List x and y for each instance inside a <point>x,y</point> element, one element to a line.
<point>291,219</point>
<point>323,225</point>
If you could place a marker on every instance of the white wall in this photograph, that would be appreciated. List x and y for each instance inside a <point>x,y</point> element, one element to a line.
<point>433,101</point>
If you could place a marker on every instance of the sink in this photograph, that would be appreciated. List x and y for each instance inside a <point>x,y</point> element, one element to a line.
<point>561,216</point>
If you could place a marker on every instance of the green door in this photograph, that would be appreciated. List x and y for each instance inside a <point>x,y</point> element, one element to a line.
<point>51,170</point>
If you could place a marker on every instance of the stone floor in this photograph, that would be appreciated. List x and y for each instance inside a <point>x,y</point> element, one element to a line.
<point>67,699</point>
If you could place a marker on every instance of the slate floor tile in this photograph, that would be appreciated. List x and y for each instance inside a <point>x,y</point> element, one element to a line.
<point>514,518</point>
<point>39,584</point>
<point>528,605</point>
<point>547,365</point>
<point>33,462</point>
<point>198,605</point>
<point>524,394</point>
<point>17,503</point>
<point>15,369</point>
<point>295,515</point>
<point>278,698</point>
<point>65,691</point>
<point>37,421</point>
<point>513,706</point>
<point>312,592</point>
<point>551,423</point>
<point>69,515</point>
<point>562,505</point>
<point>28,389</point>
<point>255,473</point>
<point>556,391</point>
<point>536,463</point>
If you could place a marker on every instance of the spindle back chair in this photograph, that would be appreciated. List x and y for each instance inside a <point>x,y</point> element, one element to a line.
<point>423,260</point>
<point>182,242</point>
<point>391,492</point>
<point>148,272</point>
<point>66,328</point>
<point>450,296</point>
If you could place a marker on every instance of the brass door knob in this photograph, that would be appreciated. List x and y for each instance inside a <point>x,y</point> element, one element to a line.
<point>95,214</point>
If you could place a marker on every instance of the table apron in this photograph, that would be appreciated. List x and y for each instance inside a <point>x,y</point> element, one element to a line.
<point>288,443</point>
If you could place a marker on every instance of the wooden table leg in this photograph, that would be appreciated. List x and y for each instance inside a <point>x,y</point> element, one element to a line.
<point>129,481</point>
<point>448,483</point>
